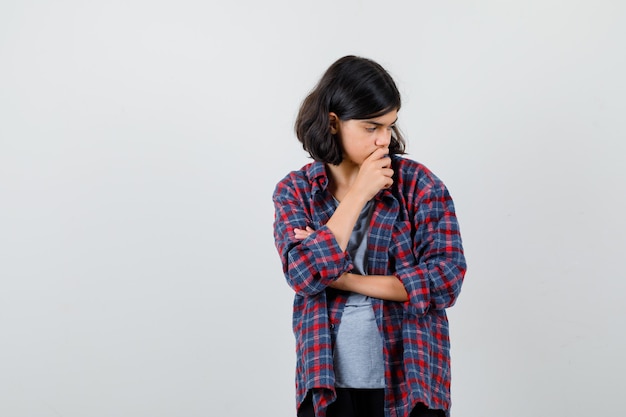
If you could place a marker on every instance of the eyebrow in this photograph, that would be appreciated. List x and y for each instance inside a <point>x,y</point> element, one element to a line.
<point>378,123</point>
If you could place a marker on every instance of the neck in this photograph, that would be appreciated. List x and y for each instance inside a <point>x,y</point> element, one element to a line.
<point>341,177</point>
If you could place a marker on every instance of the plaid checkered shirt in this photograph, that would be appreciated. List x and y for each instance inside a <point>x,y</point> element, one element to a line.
<point>414,235</point>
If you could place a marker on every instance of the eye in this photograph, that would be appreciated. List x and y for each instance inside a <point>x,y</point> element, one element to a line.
<point>371,129</point>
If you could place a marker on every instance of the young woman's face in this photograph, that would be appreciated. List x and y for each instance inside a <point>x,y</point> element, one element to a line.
<point>361,137</point>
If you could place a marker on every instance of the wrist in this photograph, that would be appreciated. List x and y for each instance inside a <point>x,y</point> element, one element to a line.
<point>357,198</point>
<point>341,283</point>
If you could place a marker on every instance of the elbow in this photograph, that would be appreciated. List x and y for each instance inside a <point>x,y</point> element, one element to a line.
<point>435,287</point>
<point>447,294</point>
<point>304,287</point>
<point>447,297</point>
<point>304,281</point>
<point>308,276</point>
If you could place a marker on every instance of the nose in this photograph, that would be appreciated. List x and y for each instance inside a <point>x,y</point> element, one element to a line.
<point>384,139</point>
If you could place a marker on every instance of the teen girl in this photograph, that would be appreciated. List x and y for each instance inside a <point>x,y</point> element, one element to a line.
<point>370,243</point>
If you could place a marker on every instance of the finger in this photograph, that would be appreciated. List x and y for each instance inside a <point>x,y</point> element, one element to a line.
<point>378,154</point>
<point>302,234</point>
<point>383,160</point>
<point>387,172</point>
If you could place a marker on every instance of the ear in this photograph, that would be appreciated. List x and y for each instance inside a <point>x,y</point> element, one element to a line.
<point>334,123</point>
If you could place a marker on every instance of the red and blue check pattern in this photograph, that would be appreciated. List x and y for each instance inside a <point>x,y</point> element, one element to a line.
<point>414,234</point>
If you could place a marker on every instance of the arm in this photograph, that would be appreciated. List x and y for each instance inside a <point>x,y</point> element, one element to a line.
<point>385,287</point>
<point>310,264</point>
<point>373,175</point>
<point>432,267</point>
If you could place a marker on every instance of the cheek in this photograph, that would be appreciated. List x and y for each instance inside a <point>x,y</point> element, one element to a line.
<point>353,147</point>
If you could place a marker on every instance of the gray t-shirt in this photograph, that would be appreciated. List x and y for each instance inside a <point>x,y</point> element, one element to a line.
<point>358,354</point>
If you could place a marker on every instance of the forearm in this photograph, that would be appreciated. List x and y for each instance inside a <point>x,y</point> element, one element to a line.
<point>344,218</point>
<point>385,287</point>
<point>309,263</point>
<point>433,278</point>
<point>438,283</point>
<point>308,273</point>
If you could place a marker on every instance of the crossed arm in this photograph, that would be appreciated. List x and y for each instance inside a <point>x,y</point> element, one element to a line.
<point>385,287</point>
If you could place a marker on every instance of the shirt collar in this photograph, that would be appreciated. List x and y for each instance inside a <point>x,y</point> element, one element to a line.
<point>318,177</point>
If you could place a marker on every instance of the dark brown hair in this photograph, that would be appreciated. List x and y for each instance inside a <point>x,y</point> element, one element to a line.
<point>352,88</point>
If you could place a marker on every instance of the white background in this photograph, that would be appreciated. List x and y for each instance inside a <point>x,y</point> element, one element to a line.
<point>140,142</point>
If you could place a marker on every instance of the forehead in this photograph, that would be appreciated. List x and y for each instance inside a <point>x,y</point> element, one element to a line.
<point>386,119</point>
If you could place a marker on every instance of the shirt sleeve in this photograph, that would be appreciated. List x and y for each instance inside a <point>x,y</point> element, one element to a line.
<point>433,271</point>
<point>311,264</point>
